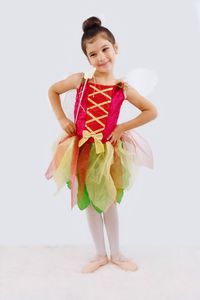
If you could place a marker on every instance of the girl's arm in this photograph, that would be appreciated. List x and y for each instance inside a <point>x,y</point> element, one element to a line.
<point>60,87</point>
<point>148,110</point>
<point>148,113</point>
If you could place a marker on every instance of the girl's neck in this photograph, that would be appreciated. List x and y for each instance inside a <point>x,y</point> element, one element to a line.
<point>104,78</point>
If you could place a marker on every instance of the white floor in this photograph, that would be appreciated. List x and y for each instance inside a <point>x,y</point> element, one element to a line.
<point>53,273</point>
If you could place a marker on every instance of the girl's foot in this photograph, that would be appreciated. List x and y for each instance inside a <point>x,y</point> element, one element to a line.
<point>95,263</point>
<point>123,262</point>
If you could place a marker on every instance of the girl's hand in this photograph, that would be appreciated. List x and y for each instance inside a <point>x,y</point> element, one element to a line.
<point>116,134</point>
<point>68,126</point>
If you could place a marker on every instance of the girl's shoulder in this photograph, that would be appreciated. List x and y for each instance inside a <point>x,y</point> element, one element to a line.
<point>122,84</point>
<point>77,79</point>
<point>68,83</point>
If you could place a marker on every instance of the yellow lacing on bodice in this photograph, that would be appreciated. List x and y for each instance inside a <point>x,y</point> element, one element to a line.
<point>100,106</point>
<point>97,134</point>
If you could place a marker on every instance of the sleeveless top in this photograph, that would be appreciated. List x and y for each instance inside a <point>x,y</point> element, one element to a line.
<point>99,110</point>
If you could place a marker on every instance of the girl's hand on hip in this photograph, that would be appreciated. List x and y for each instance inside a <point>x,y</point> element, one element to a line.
<point>116,134</point>
<point>68,126</point>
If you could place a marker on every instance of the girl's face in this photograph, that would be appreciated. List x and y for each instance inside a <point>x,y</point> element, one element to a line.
<point>101,54</point>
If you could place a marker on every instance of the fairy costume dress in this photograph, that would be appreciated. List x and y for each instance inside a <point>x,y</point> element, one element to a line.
<point>95,170</point>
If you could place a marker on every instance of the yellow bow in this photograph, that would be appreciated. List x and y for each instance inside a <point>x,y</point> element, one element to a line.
<point>97,140</point>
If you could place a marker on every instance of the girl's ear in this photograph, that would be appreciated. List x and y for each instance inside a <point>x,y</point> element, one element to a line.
<point>116,48</point>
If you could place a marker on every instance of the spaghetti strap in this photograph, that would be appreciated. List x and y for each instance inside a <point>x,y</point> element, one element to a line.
<point>125,86</point>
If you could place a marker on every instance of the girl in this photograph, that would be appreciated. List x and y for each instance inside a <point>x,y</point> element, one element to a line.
<point>95,157</point>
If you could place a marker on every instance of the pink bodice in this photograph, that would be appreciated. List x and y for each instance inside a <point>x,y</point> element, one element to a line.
<point>100,108</point>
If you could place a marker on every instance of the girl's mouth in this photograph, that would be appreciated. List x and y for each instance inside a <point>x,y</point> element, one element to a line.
<point>102,65</point>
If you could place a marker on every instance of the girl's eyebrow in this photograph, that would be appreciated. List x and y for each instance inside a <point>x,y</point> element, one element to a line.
<point>100,48</point>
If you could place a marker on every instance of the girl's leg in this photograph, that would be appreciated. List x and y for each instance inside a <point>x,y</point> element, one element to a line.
<point>95,222</point>
<point>112,228</point>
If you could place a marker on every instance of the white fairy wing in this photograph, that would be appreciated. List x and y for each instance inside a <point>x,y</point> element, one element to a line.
<point>142,79</point>
<point>68,101</point>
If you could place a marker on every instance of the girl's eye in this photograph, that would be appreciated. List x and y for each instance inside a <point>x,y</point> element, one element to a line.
<point>94,54</point>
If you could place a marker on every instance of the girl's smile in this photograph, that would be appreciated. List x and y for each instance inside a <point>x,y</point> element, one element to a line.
<point>103,64</point>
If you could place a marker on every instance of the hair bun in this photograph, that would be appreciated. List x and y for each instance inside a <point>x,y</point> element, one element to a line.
<point>90,23</point>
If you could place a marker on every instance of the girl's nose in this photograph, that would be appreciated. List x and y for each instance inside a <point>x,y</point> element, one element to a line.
<point>101,58</point>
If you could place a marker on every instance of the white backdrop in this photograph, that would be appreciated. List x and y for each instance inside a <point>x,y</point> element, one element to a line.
<point>40,44</point>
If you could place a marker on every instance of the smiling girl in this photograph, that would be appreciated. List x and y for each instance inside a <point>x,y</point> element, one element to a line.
<point>98,158</point>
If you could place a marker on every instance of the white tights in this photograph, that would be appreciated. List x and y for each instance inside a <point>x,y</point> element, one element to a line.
<point>95,222</point>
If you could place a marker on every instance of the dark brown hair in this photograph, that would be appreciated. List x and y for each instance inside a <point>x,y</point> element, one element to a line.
<point>91,28</point>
